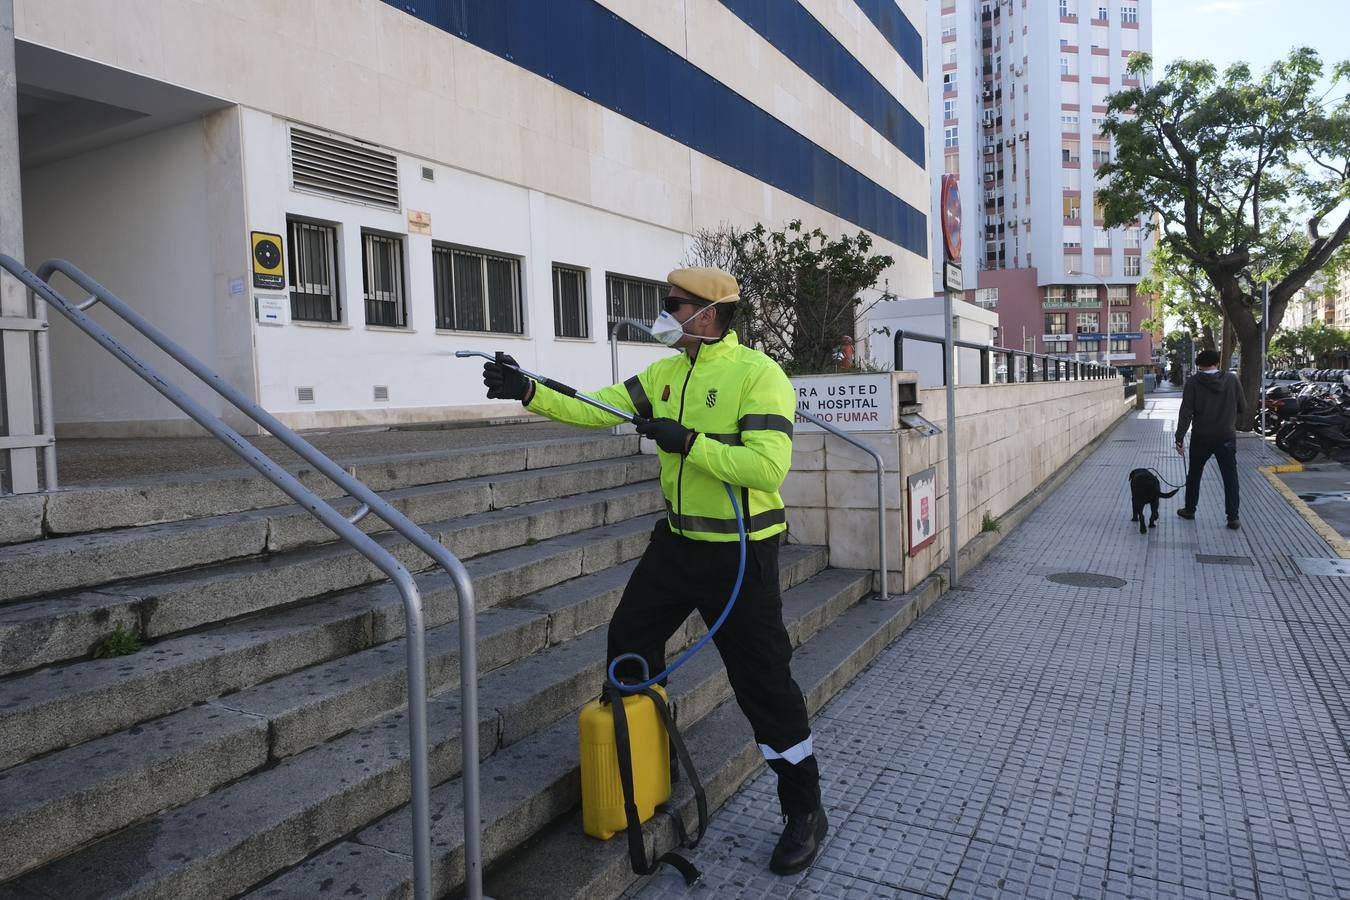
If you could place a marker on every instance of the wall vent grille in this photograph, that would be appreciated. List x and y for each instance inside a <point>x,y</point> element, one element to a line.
<point>304,394</point>
<point>381,392</point>
<point>345,170</point>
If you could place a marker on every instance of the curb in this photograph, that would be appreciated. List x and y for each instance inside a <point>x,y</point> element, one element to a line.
<point>1324,531</point>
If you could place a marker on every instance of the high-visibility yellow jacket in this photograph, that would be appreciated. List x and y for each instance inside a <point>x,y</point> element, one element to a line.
<point>740,403</point>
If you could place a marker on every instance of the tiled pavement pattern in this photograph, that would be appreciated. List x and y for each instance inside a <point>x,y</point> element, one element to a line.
<point>1182,736</point>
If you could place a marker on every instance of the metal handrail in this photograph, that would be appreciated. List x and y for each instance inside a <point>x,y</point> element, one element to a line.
<point>614,344</point>
<point>881,488</point>
<point>340,525</point>
<point>1065,368</point>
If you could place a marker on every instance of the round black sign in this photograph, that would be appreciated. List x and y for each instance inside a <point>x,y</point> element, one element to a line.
<point>267,253</point>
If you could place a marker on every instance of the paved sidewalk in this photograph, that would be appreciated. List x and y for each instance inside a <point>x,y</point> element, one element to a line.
<point>1181,735</point>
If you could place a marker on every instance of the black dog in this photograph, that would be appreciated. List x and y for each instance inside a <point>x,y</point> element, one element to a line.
<point>1146,491</point>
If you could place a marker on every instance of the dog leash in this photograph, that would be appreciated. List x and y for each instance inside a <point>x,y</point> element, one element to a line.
<point>1185,475</point>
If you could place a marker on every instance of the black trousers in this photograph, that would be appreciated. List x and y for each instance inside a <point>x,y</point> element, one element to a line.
<point>677,576</point>
<point>1224,451</point>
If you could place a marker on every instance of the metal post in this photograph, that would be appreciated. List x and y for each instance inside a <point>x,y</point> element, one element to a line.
<point>1265,337</point>
<point>16,346</point>
<point>949,378</point>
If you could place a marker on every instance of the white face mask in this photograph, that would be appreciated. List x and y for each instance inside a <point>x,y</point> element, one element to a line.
<point>668,330</point>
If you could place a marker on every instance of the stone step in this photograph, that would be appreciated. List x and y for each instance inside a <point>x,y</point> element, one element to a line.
<point>150,501</point>
<point>65,705</point>
<point>85,560</point>
<point>242,833</point>
<point>530,784</point>
<point>45,811</point>
<point>40,632</point>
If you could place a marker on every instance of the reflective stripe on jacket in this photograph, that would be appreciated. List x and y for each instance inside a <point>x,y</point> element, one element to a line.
<point>740,403</point>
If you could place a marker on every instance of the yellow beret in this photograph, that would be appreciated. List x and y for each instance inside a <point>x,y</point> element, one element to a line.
<point>712,285</point>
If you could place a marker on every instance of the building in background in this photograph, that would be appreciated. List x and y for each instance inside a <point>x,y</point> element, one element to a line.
<point>1017,101</point>
<point>438,176</point>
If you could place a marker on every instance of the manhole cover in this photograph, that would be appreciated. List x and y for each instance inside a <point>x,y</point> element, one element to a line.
<point>1212,560</point>
<point>1086,579</point>
<point>1316,565</point>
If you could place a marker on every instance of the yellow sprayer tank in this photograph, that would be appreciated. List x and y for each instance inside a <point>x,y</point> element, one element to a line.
<point>602,814</point>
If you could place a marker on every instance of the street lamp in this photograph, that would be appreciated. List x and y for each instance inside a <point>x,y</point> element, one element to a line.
<point>1106,314</point>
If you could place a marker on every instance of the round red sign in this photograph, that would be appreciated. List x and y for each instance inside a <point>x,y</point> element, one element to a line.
<point>951,217</point>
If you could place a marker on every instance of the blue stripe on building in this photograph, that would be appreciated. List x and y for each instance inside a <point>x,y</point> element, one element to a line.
<point>582,46</point>
<point>796,34</point>
<point>897,29</point>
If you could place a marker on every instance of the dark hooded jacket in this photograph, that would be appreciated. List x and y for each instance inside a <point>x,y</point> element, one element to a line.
<point>1212,401</point>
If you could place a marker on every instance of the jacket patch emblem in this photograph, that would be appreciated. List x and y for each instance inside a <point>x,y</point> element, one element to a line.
<point>712,397</point>
<point>665,394</point>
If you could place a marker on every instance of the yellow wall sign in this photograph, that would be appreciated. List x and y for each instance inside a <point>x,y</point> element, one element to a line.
<point>267,271</point>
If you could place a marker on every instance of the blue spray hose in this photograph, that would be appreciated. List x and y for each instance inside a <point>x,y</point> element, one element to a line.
<point>684,657</point>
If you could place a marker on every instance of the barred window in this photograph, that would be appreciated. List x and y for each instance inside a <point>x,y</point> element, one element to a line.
<point>633,298</point>
<point>476,291</point>
<point>313,271</point>
<point>569,302</point>
<point>382,271</point>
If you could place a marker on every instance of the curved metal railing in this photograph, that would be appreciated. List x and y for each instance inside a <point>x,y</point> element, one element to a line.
<point>342,526</point>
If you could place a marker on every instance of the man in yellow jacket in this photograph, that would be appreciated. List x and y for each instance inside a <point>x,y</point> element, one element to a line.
<point>719,413</point>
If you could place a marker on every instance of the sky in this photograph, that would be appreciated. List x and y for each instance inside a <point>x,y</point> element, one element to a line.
<point>1255,31</point>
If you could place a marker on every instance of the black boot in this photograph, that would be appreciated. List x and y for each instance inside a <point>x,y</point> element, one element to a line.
<point>800,842</point>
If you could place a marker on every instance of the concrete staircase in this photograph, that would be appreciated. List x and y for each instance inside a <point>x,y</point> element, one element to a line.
<point>255,744</point>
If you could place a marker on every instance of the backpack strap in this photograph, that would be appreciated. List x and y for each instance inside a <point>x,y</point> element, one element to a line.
<point>637,850</point>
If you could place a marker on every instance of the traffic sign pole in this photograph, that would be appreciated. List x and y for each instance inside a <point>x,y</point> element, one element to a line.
<point>951,245</point>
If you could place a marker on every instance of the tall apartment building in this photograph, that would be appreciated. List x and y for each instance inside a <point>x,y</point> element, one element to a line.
<point>481,175</point>
<point>1018,94</point>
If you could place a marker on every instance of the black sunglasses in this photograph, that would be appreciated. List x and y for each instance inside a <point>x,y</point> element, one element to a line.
<point>671,303</point>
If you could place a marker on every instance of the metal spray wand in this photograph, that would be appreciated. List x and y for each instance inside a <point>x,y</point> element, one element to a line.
<point>558,386</point>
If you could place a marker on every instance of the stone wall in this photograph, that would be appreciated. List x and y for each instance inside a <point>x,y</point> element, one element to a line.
<point>1010,439</point>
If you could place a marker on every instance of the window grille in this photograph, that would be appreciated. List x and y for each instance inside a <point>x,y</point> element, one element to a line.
<point>476,291</point>
<point>382,271</point>
<point>633,298</point>
<point>569,302</point>
<point>313,271</point>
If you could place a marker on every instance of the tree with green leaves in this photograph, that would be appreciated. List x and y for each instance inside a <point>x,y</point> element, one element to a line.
<point>1177,346</point>
<point>1314,344</point>
<point>1248,177</point>
<point>1186,296</point>
<point>800,290</point>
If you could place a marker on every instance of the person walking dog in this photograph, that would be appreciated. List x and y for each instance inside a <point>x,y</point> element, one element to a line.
<point>1211,404</point>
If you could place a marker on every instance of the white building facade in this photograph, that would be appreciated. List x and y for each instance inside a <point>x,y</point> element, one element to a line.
<point>1018,92</point>
<point>481,175</point>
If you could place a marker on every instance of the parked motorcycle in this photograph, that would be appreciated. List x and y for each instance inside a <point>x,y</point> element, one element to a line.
<point>1312,434</point>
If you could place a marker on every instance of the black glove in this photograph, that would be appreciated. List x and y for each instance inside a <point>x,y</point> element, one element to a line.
<point>504,382</point>
<point>669,435</point>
